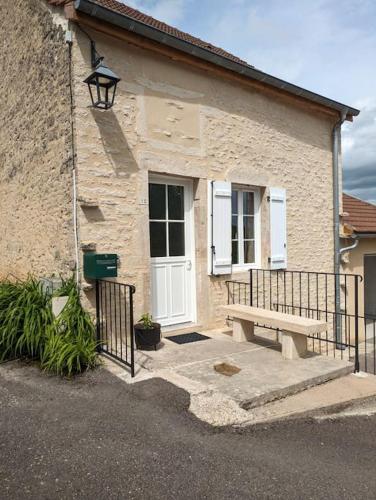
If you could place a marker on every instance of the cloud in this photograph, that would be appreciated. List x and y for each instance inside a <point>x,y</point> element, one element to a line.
<point>168,11</point>
<point>319,47</point>
<point>313,44</point>
<point>359,153</point>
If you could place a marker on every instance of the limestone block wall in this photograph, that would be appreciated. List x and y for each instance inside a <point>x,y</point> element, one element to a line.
<point>35,141</point>
<point>170,118</point>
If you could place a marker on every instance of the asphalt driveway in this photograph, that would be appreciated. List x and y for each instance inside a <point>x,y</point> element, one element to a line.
<point>97,437</point>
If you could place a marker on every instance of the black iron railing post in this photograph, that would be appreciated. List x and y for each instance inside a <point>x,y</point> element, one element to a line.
<point>251,287</point>
<point>132,290</point>
<point>356,323</point>
<point>338,317</point>
<point>98,322</point>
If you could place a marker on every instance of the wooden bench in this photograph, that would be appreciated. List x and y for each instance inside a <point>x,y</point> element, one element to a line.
<point>295,329</point>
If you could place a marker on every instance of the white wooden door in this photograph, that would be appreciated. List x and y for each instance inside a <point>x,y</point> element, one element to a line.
<point>171,250</point>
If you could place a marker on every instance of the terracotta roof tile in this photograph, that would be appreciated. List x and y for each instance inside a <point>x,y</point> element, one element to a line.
<point>121,8</point>
<point>361,215</point>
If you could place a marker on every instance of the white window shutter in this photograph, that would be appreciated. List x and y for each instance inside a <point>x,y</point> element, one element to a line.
<point>278,233</point>
<point>219,224</point>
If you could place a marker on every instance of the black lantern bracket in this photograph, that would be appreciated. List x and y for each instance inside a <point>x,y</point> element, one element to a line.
<point>96,59</point>
<point>102,82</point>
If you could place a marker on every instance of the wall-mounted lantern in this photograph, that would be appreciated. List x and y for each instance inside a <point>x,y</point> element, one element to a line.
<point>102,82</point>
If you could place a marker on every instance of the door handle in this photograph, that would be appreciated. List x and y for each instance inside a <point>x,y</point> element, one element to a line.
<point>189,265</point>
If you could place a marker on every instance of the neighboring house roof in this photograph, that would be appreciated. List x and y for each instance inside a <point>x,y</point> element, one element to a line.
<point>359,214</point>
<point>123,16</point>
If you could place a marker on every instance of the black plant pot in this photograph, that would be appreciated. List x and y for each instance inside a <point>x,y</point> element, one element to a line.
<point>147,337</point>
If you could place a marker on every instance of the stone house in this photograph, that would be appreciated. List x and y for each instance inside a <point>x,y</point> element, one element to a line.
<point>203,168</point>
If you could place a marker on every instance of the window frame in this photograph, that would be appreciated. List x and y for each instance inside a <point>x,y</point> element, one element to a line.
<point>167,221</point>
<point>241,266</point>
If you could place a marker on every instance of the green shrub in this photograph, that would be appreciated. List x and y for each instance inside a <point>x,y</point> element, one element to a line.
<point>25,317</point>
<point>70,347</point>
<point>66,354</point>
<point>64,345</point>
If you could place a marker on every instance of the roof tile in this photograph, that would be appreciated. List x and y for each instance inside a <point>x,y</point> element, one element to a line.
<point>123,9</point>
<point>361,215</point>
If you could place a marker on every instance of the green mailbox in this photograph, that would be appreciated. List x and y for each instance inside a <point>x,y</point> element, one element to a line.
<point>100,265</point>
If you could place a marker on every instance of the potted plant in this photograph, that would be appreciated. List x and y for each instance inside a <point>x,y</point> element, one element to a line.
<point>147,333</point>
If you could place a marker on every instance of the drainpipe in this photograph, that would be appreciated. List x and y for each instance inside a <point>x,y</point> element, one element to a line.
<point>351,247</point>
<point>69,41</point>
<point>337,252</point>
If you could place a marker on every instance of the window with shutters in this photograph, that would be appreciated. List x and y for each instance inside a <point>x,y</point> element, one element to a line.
<point>245,234</point>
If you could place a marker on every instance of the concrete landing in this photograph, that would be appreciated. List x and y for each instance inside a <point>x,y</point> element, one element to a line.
<point>264,375</point>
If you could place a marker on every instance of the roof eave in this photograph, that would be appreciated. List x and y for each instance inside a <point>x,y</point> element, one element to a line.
<point>123,21</point>
<point>368,234</point>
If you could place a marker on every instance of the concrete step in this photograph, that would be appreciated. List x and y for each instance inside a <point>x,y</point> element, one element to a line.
<point>295,388</point>
<point>335,393</point>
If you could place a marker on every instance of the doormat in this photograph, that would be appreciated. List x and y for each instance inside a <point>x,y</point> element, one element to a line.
<point>187,338</point>
<point>226,369</point>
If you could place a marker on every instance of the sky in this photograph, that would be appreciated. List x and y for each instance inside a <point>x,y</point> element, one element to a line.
<point>327,46</point>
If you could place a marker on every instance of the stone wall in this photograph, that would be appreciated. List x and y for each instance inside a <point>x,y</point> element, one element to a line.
<point>170,118</point>
<point>35,141</point>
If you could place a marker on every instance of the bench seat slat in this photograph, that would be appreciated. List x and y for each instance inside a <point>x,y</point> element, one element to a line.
<point>275,319</point>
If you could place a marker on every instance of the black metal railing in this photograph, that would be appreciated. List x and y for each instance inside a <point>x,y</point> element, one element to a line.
<point>324,296</point>
<point>115,335</point>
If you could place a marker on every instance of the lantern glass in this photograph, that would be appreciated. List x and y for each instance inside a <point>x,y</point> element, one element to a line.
<point>102,85</point>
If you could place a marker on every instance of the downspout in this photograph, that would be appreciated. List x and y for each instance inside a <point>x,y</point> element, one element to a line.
<point>69,41</point>
<point>351,247</point>
<point>337,252</point>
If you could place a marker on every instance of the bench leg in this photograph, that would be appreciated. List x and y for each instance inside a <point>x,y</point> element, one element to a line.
<point>242,330</point>
<point>294,345</point>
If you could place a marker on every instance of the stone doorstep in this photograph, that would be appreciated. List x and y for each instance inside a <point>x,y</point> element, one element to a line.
<point>180,374</point>
<point>195,387</point>
<point>257,401</point>
<point>220,410</point>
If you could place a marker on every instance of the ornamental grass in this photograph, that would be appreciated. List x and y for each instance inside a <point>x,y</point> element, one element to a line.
<point>28,329</point>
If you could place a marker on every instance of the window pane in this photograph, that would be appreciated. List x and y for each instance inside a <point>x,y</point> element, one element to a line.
<point>157,201</point>
<point>158,239</point>
<point>249,227</point>
<point>176,239</point>
<point>234,198</point>
<point>235,253</point>
<point>176,202</point>
<point>234,227</point>
<point>248,203</point>
<point>249,252</point>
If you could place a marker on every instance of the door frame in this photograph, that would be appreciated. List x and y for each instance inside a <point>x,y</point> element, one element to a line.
<point>187,183</point>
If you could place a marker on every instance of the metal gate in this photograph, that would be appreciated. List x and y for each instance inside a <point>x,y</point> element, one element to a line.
<point>115,335</point>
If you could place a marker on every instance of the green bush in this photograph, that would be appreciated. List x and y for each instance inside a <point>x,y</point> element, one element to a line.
<point>70,347</point>
<point>64,345</point>
<point>25,317</point>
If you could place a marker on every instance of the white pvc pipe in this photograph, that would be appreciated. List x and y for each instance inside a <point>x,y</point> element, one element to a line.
<point>75,227</point>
